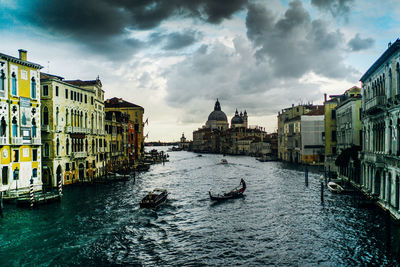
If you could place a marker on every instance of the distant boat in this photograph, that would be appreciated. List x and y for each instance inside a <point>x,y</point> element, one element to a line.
<point>224,161</point>
<point>235,193</point>
<point>199,155</point>
<point>335,188</point>
<point>154,199</point>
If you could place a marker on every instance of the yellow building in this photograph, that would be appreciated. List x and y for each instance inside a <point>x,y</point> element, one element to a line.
<point>20,143</point>
<point>135,113</point>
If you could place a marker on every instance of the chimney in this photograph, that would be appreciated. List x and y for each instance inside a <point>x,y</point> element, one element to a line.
<point>324,97</point>
<point>22,54</point>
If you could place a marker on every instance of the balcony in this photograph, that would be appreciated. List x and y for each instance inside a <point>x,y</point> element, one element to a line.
<point>59,128</point>
<point>375,103</point>
<point>36,141</point>
<point>17,140</point>
<point>45,128</point>
<point>82,154</point>
<point>102,149</point>
<point>78,130</point>
<point>3,140</point>
<point>101,132</point>
<point>68,129</point>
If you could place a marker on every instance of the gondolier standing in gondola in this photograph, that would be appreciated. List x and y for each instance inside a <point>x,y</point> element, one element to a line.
<point>243,183</point>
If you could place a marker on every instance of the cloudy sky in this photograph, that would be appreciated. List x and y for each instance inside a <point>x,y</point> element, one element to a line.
<point>175,57</point>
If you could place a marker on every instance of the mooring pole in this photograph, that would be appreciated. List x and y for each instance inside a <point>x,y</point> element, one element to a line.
<point>325,176</point>
<point>322,191</point>
<point>306,176</point>
<point>31,193</point>
<point>162,155</point>
<point>59,187</point>
<point>134,174</point>
<point>1,204</point>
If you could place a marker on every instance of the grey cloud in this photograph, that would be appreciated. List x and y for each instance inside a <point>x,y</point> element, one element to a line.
<point>335,7</point>
<point>175,40</point>
<point>96,22</point>
<point>357,43</point>
<point>295,44</point>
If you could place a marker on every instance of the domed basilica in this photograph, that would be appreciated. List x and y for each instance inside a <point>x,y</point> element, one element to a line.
<point>218,120</point>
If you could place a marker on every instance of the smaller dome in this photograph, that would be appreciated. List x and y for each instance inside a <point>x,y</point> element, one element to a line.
<point>237,120</point>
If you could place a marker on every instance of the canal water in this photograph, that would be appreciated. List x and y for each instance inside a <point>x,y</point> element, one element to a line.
<point>280,221</point>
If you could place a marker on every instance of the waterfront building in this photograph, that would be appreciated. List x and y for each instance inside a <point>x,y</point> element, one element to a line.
<point>117,128</point>
<point>73,134</point>
<point>183,143</point>
<point>311,137</point>
<point>380,157</point>
<point>217,119</point>
<point>330,134</point>
<point>135,113</point>
<point>289,116</point>
<point>20,120</point>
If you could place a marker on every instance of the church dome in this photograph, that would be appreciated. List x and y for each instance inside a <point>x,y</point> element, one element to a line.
<point>217,114</point>
<point>237,119</point>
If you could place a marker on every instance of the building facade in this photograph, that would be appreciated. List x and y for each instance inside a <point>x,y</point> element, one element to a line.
<point>312,143</point>
<point>380,157</point>
<point>72,130</point>
<point>20,120</point>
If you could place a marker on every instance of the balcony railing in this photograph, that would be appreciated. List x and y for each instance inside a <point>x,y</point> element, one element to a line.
<point>68,129</point>
<point>36,141</point>
<point>82,154</point>
<point>3,140</point>
<point>375,102</point>
<point>17,140</point>
<point>59,128</point>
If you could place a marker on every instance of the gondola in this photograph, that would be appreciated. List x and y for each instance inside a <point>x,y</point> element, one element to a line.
<point>335,188</point>
<point>154,199</point>
<point>235,193</point>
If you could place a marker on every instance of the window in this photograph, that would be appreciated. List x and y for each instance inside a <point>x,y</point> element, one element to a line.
<point>45,90</point>
<point>14,127</point>
<point>91,100</point>
<point>56,90</point>
<point>72,95</point>
<point>45,116</point>
<point>67,167</point>
<point>334,136</point>
<point>15,155</point>
<point>4,175</point>
<point>2,85</point>
<point>33,88</point>
<point>3,127</point>
<point>334,150</point>
<point>57,113</point>
<point>34,154</point>
<point>46,150</point>
<point>33,128</point>
<point>58,147</point>
<point>333,114</point>
<point>34,173</point>
<point>66,93</point>
<point>67,149</point>
<point>85,99</point>
<point>13,84</point>
<point>87,164</point>
<point>73,166</point>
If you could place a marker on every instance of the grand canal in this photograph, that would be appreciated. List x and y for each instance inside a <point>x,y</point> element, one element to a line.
<point>279,222</point>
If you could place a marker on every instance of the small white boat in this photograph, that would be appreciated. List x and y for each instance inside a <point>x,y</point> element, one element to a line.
<point>335,188</point>
<point>224,161</point>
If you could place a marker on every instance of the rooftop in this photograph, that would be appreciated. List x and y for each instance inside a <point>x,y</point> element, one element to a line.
<point>116,102</point>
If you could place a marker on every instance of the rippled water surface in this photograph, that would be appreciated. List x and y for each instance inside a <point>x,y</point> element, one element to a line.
<point>279,222</point>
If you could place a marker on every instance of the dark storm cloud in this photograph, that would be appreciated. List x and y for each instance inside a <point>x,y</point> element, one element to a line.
<point>175,40</point>
<point>295,44</point>
<point>358,43</point>
<point>335,7</point>
<point>96,23</point>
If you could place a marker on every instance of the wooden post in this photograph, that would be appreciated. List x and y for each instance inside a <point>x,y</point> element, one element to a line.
<point>306,176</point>
<point>162,155</point>
<point>60,187</point>
<point>31,193</point>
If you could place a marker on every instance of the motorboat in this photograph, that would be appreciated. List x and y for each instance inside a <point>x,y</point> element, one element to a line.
<point>335,188</point>
<point>154,198</point>
<point>235,193</point>
<point>224,161</point>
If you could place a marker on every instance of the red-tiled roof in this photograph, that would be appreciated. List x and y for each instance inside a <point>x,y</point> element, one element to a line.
<point>318,111</point>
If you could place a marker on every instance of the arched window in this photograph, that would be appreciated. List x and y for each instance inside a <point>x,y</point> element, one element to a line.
<point>67,147</point>
<point>45,116</point>
<point>86,120</point>
<point>58,147</point>
<point>397,79</point>
<point>14,127</point>
<point>33,127</point>
<point>92,122</point>
<point>66,117</point>
<point>46,150</point>
<point>86,146</point>
<point>33,87</point>
<point>14,84</point>
<point>3,127</point>
<point>390,84</point>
